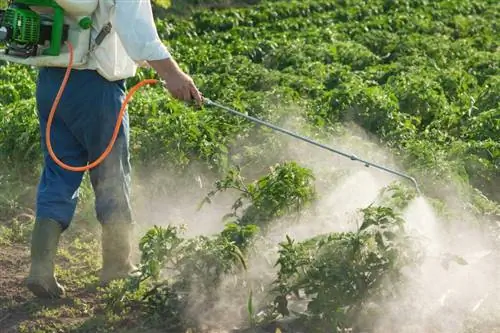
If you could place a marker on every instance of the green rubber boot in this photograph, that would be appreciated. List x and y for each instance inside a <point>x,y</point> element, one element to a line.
<point>116,250</point>
<point>41,280</point>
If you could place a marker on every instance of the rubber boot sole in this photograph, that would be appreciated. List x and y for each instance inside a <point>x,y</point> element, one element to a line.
<point>41,290</point>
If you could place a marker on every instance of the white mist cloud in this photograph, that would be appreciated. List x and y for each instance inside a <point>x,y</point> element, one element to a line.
<point>443,298</point>
<point>436,300</point>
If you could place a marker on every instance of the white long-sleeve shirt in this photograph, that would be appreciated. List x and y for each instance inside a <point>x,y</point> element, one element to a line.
<point>135,26</point>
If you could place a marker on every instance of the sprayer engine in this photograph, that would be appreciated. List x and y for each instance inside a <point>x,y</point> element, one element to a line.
<point>35,32</point>
<point>24,31</point>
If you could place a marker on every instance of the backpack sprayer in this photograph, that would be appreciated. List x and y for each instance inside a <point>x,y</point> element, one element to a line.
<point>33,38</point>
<point>33,32</point>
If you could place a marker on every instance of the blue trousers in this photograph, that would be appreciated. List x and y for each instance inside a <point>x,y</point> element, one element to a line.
<point>81,130</point>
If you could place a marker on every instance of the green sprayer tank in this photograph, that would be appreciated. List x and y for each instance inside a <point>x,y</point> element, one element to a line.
<point>26,25</point>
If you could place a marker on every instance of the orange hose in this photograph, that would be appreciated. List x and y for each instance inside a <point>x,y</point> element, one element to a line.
<point>117,126</point>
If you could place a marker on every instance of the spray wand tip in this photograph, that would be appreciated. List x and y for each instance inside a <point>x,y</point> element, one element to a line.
<point>416,186</point>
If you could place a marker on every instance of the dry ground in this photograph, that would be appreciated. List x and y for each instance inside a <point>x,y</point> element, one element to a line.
<point>77,267</point>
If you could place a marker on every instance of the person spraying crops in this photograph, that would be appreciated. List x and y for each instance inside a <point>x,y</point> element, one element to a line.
<point>124,37</point>
<point>99,44</point>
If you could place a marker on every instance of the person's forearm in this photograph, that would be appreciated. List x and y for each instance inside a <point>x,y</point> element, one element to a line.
<point>165,67</point>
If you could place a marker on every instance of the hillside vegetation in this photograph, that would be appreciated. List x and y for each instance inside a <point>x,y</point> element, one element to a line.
<point>418,80</point>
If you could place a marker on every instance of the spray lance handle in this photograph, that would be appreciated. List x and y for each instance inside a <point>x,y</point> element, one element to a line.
<point>207,101</point>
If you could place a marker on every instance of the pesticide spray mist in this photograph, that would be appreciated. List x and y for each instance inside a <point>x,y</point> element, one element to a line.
<point>442,292</point>
<point>456,283</point>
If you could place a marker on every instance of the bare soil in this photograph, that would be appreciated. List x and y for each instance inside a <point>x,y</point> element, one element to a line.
<point>21,311</point>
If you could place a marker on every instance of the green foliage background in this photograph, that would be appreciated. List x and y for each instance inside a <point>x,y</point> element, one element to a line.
<point>421,77</point>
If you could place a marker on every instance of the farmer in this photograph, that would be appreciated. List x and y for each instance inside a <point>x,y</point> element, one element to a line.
<point>81,130</point>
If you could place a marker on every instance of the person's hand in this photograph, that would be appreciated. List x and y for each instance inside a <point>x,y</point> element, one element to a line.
<point>178,83</point>
<point>182,87</point>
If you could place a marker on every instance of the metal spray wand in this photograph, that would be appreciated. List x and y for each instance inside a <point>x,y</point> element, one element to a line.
<point>300,137</point>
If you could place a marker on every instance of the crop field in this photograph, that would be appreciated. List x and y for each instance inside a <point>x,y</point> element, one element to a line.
<point>244,229</point>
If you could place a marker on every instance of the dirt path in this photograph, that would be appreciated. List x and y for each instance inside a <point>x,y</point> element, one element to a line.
<point>14,299</point>
<point>21,311</point>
